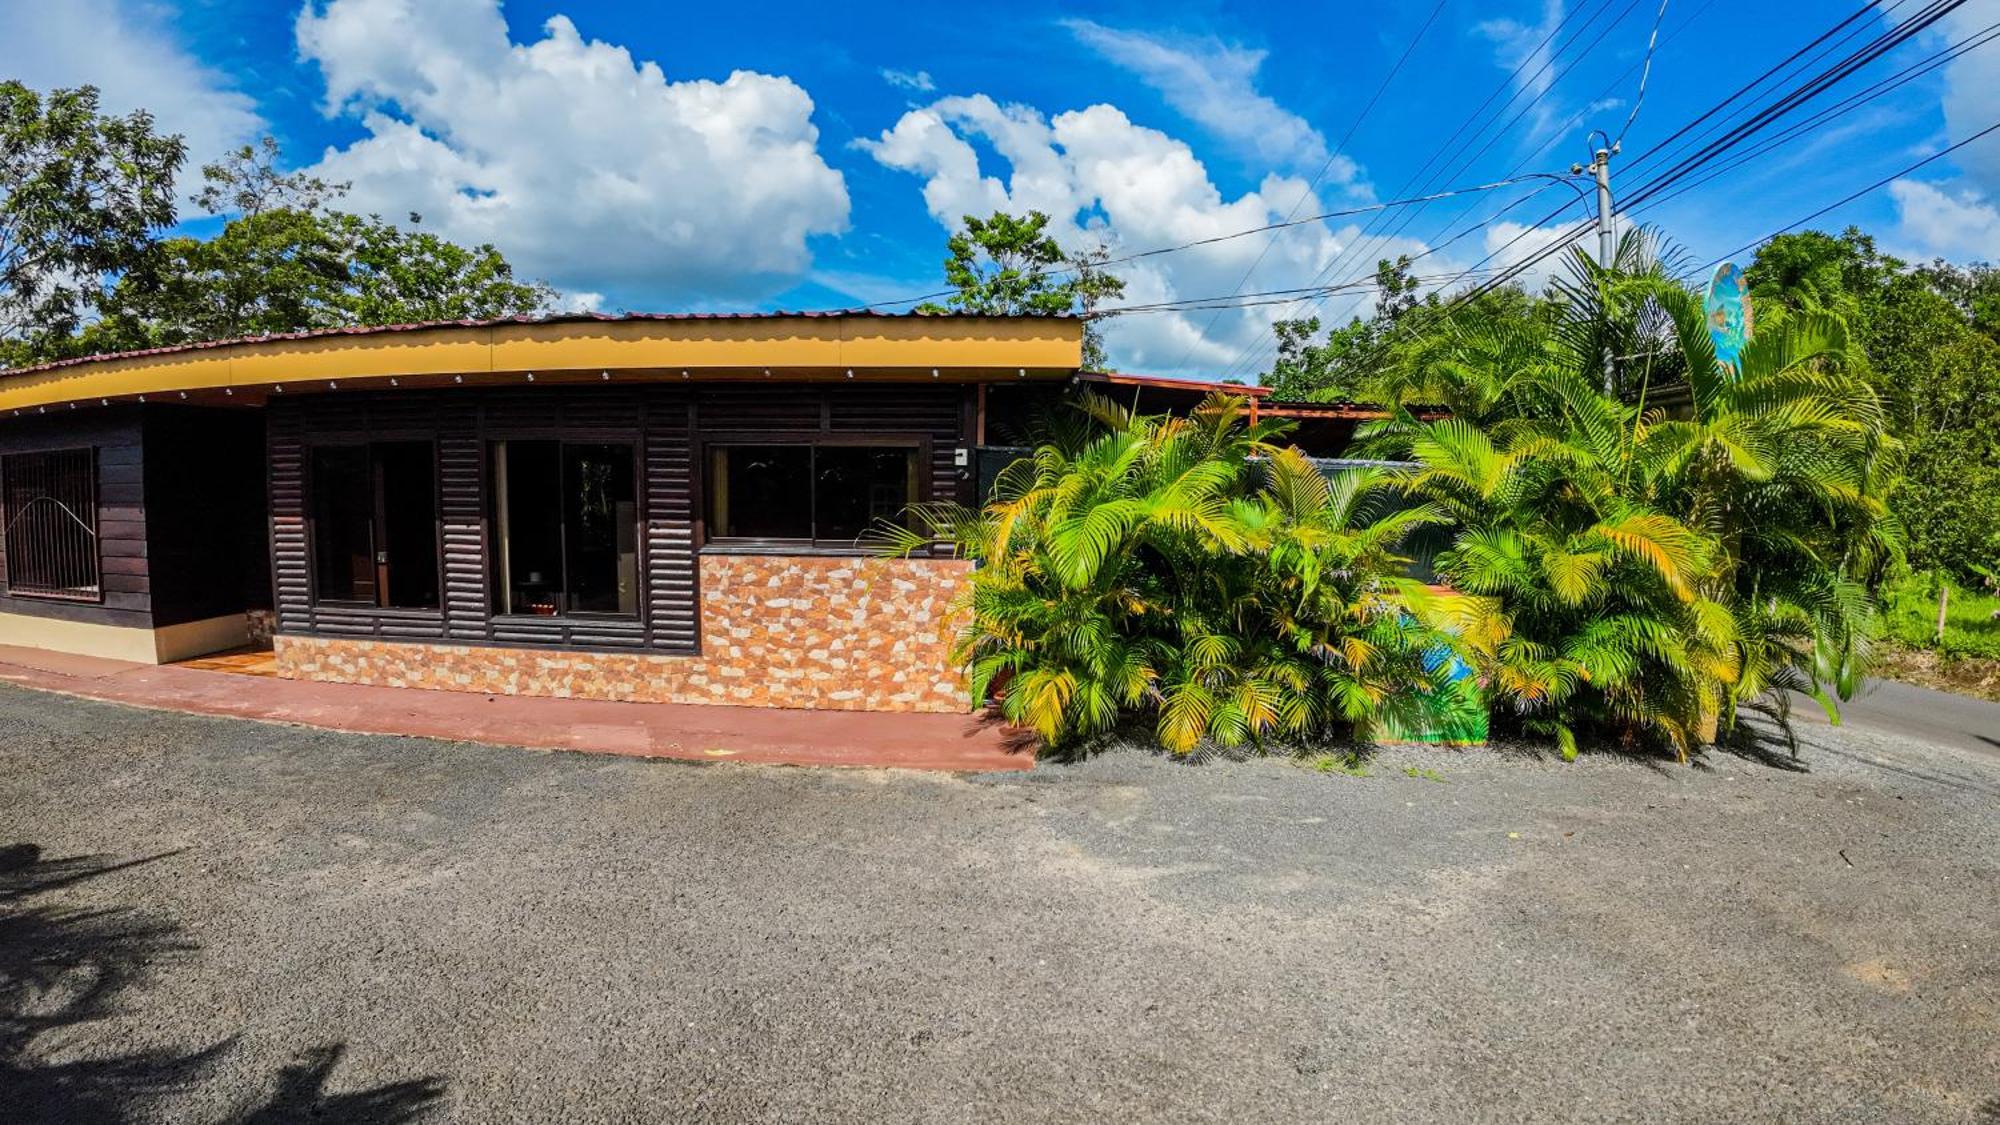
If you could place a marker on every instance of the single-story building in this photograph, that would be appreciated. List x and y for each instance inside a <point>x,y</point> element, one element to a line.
<point>640,507</point>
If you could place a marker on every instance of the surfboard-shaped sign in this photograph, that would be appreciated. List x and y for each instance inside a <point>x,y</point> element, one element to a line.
<point>1727,306</point>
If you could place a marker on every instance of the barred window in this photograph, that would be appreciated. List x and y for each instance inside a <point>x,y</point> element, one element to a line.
<point>51,513</point>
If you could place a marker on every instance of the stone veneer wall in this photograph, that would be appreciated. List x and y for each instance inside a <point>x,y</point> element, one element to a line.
<point>848,634</point>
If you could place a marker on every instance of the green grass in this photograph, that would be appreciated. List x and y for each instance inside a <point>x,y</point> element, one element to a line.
<point>1969,630</point>
<point>1348,764</point>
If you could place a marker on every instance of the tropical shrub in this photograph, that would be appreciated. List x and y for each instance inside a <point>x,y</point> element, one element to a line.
<point>1648,570</point>
<point>1187,571</point>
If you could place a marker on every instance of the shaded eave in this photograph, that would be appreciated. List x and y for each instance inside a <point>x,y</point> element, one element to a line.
<point>863,346</point>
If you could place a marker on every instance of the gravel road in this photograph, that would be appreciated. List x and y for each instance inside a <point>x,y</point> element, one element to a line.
<point>207,920</point>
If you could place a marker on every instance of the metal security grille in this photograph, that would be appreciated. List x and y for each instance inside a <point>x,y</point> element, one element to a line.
<point>51,512</point>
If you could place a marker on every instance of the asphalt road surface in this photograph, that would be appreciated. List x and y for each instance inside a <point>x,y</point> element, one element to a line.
<point>205,920</point>
<point>1891,707</point>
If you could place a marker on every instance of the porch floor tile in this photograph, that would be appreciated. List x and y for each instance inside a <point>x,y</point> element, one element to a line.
<point>692,732</point>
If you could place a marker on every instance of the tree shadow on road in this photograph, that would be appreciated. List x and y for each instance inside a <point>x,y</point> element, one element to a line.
<point>1763,734</point>
<point>64,968</point>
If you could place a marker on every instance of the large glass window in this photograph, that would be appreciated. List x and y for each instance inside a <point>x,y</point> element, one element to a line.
<point>821,495</point>
<point>374,510</point>
<point>51,514</point>
<point>566,520</point>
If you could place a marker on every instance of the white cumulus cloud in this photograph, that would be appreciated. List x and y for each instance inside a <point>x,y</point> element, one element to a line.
<point>1107,181</point>
<point>1960,226</point>
<point>1959,220</point>
<point>1215,85</point>
<point>585,166</point>
<point>130,52</point>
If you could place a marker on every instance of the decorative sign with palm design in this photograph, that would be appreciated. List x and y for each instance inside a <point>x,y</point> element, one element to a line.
<point>1727,305</point>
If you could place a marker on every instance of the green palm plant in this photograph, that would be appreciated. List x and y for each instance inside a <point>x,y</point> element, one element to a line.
<point>1187,570</point>
<point>1648,568</point>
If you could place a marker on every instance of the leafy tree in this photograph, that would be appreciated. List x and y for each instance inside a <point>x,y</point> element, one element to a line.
<point>1184,570</point>
<point>81,195</point>
<point>1009,265</point>
<point>285,261</point>
<point>1350,363</point>
<point>1928,340</point>
<point>247,183</point>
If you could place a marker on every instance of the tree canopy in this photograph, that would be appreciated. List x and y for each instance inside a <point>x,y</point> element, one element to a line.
<point>81,195</point>
<point>1009,265</point>
<point>87,264</point>
<point>1925,339</point>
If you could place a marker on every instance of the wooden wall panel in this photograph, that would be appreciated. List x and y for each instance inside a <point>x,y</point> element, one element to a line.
<point>124,572</point>
<point>291,558</point>
<point>671,568</point>
<point>467,595</point>
<point>665,421</point>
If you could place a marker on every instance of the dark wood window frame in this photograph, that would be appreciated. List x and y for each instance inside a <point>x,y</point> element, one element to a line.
<point>636,442</point>
<point>918,443</point>
<point>88,593</point>
<point>307,450</point>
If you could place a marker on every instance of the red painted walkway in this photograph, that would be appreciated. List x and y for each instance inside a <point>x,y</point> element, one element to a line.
<point>764,735</point>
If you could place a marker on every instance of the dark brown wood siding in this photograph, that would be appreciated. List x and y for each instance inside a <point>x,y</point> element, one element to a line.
<point>118,436</point>
<point>666,424</point>
<point>939,413</point>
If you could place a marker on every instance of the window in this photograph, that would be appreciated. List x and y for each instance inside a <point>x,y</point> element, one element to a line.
<point>824,495</point>
<point>374,513</point>
<point>566,520</point>
<point>51,512</point>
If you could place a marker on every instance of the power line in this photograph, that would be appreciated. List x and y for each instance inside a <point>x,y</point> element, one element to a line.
<point>1797,63</point>
<point>1764,117</point>
<point>1470,189</point>
<point>1710,151</point>
<point>1334,155</point>
<point>1254,355</point>
<point>1834,112</point>
<point>1652,43</point>
<point>1812,88</point>
<point>1845,200</point>
<point>1181,304</point>
<point>1643,157</point>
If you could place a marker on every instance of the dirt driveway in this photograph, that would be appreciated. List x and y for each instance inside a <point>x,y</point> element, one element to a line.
<point>207,920</point>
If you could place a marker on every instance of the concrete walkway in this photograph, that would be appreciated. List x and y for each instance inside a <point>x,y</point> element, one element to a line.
<point>764,735</point>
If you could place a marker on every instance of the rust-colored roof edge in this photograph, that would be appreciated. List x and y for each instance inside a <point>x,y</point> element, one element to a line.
<point>496,322</point>
<point>1171,383</point>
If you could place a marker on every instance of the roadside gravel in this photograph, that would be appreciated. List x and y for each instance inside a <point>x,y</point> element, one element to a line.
<point>373,928</point>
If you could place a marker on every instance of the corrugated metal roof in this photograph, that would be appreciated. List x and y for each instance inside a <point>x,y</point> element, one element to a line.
<point>544,318</point>
<point>1171,383</point>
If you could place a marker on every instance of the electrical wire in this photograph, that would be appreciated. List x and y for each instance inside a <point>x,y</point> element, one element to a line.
<point>1470,189</point>
<point>1812,88</point>
<point>1177,304</point>
<point>1833,113</point>
<point>1254,355</point>
<point>1845,200</point>
<point>1652,44</point>
<point>1417,179</point>
<point>1333,155</point>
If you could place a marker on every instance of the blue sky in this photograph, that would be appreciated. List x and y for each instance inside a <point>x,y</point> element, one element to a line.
<point>810,155</point>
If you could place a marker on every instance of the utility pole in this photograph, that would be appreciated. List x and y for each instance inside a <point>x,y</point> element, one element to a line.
<point>1607,240</point>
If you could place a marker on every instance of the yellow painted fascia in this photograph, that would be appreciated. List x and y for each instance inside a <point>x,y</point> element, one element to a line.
<point>796,345</point>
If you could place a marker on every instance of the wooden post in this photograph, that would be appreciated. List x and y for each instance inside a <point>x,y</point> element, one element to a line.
<point>1944,600</point>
